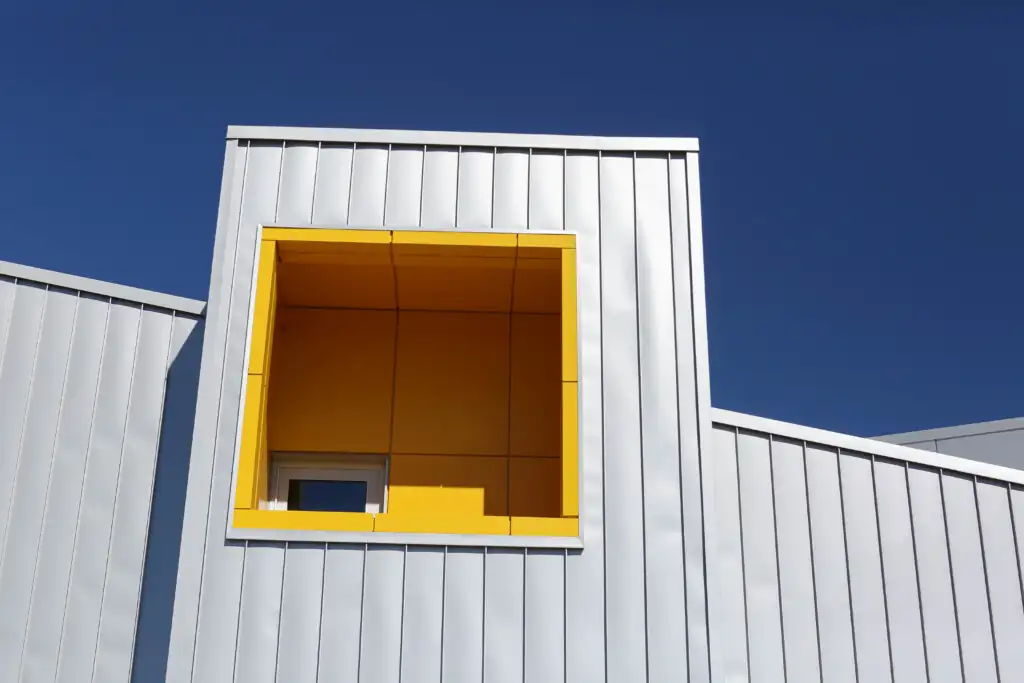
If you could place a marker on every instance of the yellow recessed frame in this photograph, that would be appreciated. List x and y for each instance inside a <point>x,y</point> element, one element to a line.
<point>253,458</point>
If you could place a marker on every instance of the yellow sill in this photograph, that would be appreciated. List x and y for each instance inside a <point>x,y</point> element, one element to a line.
<point>318,235</point>
<point>545,526</point>
<point>424,524</point>
<point>301,520</point>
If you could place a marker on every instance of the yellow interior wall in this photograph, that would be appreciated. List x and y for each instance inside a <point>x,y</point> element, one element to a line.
<point>466,391</point>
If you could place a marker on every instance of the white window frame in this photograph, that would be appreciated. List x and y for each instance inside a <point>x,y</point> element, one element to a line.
<point>372,471</point>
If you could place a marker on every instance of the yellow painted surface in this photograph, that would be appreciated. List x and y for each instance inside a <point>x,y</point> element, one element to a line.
<point>447,486</point>
<point>570,450</point>
<point>332,383</point>
<point>535,487</point>
<point>322,285</point>
<point>259,356</point>
<point>455,238</point>
<point>538,285</point>
<point>547,241</point>
<point>454,284</point>
<point>262,466</point>
<point>536,386</point>
<point>569,349</point>
<point>545,526</point>
<point>252,414</point>
<point>425,523</point>
<point>451,388</point>
<point>325,235</point>
<point>302,519</point>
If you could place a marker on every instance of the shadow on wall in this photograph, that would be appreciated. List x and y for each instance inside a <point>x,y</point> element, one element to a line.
<point>161,569</point>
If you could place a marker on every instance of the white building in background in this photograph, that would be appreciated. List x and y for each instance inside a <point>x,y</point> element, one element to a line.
<point>446,417</point>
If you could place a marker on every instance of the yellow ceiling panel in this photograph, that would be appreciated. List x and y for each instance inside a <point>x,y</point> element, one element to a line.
<point>538,286</point>
<point>327,285</point>
<point>468,287</point>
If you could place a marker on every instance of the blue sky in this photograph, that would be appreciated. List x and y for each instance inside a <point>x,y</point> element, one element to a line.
<point>862,170</point>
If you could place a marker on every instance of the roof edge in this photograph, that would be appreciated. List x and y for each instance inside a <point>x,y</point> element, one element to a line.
<point>451,139</point>
<point>859,444</point>
<point>115,291</point>
<point>940,433</point>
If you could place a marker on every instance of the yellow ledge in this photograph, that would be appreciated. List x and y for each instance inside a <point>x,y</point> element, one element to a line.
<point>545,526</point>
<point>326,235</point>
<point>455,238</point>
<point>424,524</point>
<point>303,521</point>
<point>549,241</point>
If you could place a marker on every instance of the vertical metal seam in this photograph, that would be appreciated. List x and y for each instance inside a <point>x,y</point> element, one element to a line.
<point>640,422</point>
<point>984,570</point>
<point>458,181</point>
<point>522,666</point>
<point>678,409</point>
<point>743,550</point>
<point>362,615</point>
<point>24,419</point>
<point>241,609</point>
<point>387,179</point>
<point>565,615</point>
<point>494,182</point>
<point>280,177</point>
<point>814,571</point>
<point>152,486</point>
<point>10,321</point>
<point>917,572</point>
<point>46,491</point>
<point>881,566</point>
<point>351,184</point>
<point>401,618</point>
<point>316,175</point>
<point>423,182</point>
<point>117,486</point>
<point>601,358</point>
<point>529,188</point>
<point>444,608</point>
<point>846,560</point>
<point>1016,545</point>
<point>565,159</point>
<point>702,452</point>
<point>85,468</point>
<point>280,610</point>
<point>778,564</point>
<point>483,621</point>
<point>320,619</point>
<point>233,264</point>
<point>952,577</point>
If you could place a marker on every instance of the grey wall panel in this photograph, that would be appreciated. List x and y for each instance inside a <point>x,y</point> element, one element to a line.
<point>544,628</point>
<point>970,584</point>
<point>663,542</point>
<point>331,191</point>
<point>999,448</point>
<point>82,400</point>
<point>729,552</point>
<point>369,186</point>
<point>760,560</point>
<point>634,595</point>
<point>511,189</point>
<point>503,616</point>
<point>938,611</point>
<point>828,555</point>
<point>298,180</point>
<point>796,569</point>
<point>301,596</point>
<point>259,618</point>
<point>625,600</point>
<point>440,187</point>
<point>1003,574</point>
<point>341,621</point>
<point>900,569</point>
<point>462,632</point>
<point>422,615</point>
<point>584,584</point>
<point>405,182</point>
<point>475,189</point>
<point>381,636</point>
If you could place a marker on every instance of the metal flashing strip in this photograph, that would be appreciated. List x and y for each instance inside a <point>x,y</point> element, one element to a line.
<point>115,291</point>
<point>859,444</point>
<point>453,139</point>
<point>378,538</point>
<point>941,433</point>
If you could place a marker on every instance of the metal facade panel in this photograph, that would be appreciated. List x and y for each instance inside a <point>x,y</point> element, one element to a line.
<point>82,382</point>
<point>301,597</point>
<point>472,614</point>
<point>298,181</point>
<point>259,617</point>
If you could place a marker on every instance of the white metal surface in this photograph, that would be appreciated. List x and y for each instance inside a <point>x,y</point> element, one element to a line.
<point>392,606</point>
